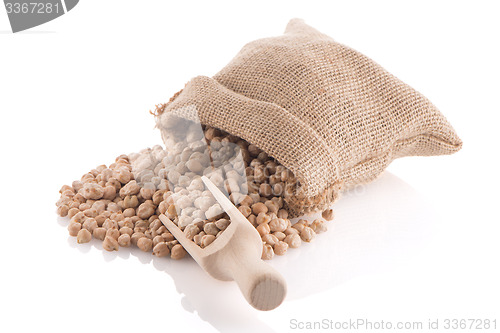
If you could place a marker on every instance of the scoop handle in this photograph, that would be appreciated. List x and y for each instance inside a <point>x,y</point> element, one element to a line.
<point>261,285</point>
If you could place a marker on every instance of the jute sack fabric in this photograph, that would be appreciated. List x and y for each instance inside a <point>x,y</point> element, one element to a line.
<point>323,110</point>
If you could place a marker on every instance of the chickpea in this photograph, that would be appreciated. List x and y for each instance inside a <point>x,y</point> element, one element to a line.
<point>270,239</point>
<point>130,202</point>
<point>258,208</point>
<point>135,237</point>
<point>211,229</point>
<point>300,225</point>
<point>282,214</point>
<point>109,192</point>
<point>190,231</point>
<point>83,236</point>
<point>167,237</point>
<point>131,188</point>
<point>307,234</point>
<point>145,244</point>
<point>265,190</point>
<point>327,214</point>
<point>129,212</point>
<point>318,226</point>
<point>77,185</point>
<point>157,239</point>
<point>278,225</point>
<point>92,191</point>
<point>161,250</point>
<point>263,218</point>
<point>222,224</point>
<point>177,252</point>
<point>145,210</point>
<point>263,229</point>
<point>124,240</point>
<point>74,228</point>
<point>63,210</point>
<point>245,210</point>
<point>293,240</point>
<point>110,244</point>
<point>90,224</point>
<point>206,240</point>
<point>113,233</point>
<point>280,248</point>
<point>267,252</point>
<point>99,233</point>
<point>279,235</point>
<point>272,207</point>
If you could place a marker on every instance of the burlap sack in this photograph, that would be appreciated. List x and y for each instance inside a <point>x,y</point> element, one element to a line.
<point>323,110</point>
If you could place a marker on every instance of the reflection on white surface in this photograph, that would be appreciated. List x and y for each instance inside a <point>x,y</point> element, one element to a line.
<point>377,227</point>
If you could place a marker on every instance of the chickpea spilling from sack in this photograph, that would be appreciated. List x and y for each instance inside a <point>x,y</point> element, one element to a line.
<point>119,204</point>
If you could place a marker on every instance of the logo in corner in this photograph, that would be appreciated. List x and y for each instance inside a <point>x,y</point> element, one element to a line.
<point>28,14</point>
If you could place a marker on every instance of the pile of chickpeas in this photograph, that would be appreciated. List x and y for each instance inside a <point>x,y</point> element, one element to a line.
<point>119,204</point>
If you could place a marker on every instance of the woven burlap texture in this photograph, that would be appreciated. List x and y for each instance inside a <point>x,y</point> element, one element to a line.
<point>325,111</point>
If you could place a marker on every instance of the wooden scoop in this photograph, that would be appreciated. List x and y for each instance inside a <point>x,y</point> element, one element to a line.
<point>236,255</point>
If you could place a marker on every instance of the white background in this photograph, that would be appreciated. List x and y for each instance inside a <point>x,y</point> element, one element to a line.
<point>420,243</point>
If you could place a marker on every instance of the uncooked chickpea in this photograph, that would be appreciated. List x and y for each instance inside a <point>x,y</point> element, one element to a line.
<point>272,207</point>
<point>135,237</point>
<point>161,250</point>
<point>300,225</point>
<point>79,217</point>
<point>245,210</point>
<point>267,252</point>
<point>177,252</point>
<point>280,248</point>
<point>83,236</point>
<point>114,233</point>
<point>109,192</point>
<point>145,244</point>
<point>222,224</point>
<point>282,214</point>
<point>307,234</point>
<point>77,185</point>
<point>74,228</point>
<point>110,244</point>
<point>246,201</point>
<point>124,240</point>
<point>167,237</point>
<point>72,212</point>
<point>263,218</point>
<point>278,225</point>
<point>91,212</point>
<point>258,208</point>
<point>265,190</point>
<point>63,210</point>
<point>279,235</point>
<point>90,224</point>
<point>129,212</point>
<point>293,240</point>
<point>270,239</point>
<point>130,201</point>
<point>126,230</point>
<point>156,240</point>
<point>210,229</point>
<point>206,240</point>
<point>99,233</point>
<point>327,214</point>
<point>145,210</point>
<point>263,229</point>
<point>318,226</point>
<point>191,230</point>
